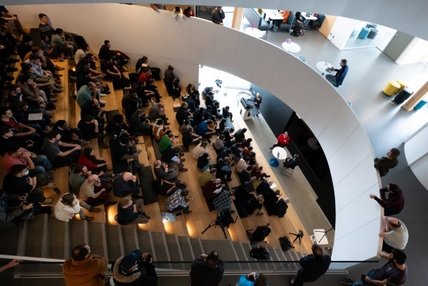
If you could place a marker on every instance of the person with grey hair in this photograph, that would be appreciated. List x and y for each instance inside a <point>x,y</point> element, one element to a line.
<point>394,233</point>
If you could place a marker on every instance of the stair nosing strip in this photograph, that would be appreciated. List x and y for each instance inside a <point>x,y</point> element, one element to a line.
<point>67,240</point>
<point>85,232</point>
<point>168,256</point>
<point>152,246</point>
<point>180,252</point>
<point>120,238</point>
<point>243,251</point>
<point>22,239</point>
<point>45,237</point>
<point>135,234</point>
<point>201,246</point>
<point>192,253</point>
<point>104,238</point>
<point>235,253</point>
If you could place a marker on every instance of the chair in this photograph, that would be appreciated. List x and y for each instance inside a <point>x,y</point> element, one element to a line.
<point>319,237</point>
<point>391,88</point>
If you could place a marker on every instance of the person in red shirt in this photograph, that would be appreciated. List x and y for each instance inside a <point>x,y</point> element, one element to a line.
<point>144,75</point>
<point>92,162</point>
<point>282,140</point>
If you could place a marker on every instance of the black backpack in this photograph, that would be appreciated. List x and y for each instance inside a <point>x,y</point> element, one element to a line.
<point>260,253</point>
<point>285,243</point>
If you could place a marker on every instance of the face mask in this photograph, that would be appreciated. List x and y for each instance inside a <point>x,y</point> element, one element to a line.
<point>26,172</point>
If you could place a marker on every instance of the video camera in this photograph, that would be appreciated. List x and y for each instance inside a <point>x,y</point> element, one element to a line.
<point>224,218</point>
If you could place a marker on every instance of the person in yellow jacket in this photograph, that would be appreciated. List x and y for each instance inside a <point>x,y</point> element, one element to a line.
<point>84,268</point>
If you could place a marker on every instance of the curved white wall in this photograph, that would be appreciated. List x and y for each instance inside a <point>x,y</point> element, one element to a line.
<point>190,42</point>
<point>408,16</point>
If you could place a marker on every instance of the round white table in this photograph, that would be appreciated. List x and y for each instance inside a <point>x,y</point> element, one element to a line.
<point>291,47</point>
<point>256,33</point>
<point>323,67</point>
<point>279,153</point>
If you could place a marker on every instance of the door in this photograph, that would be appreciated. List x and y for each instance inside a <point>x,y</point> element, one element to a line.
<point>397,45</point>
<point>341,31</point>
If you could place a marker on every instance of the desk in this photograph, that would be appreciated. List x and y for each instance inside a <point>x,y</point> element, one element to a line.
<point>256,33</point>
<point>308,17</point>
<point>319,237</point>
<point>323,67</point>
<point>273,15</point>
<point>291,47</point>
<point>279,153</point>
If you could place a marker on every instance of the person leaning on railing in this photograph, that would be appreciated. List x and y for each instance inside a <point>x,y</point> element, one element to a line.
<point>84,268</point>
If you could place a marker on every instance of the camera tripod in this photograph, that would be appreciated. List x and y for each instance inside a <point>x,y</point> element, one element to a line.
<point>298,236</point>
<point>214,224</point>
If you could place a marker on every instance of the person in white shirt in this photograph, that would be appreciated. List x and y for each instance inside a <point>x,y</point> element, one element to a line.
<point>80,54</point>
<point>200,149</point>
<point>395,234</point>
<point>67,207</point>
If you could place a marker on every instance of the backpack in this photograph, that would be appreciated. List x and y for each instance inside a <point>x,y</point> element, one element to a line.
<point>285,243</point>
<point>260,253</point>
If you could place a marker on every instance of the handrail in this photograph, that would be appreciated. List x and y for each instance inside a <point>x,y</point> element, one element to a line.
<point>42,260</point>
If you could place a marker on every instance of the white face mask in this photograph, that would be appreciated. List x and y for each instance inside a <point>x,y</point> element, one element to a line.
<point>26,172</point>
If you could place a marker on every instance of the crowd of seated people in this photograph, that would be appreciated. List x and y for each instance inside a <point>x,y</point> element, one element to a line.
<point>59,144</point>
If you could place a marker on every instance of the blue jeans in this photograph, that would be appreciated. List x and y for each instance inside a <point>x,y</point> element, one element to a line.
<point>332,79</point>
<point>360,283</point>
<point>43,161</point>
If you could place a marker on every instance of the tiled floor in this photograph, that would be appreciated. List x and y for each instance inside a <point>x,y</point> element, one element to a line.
<point>387,125</point>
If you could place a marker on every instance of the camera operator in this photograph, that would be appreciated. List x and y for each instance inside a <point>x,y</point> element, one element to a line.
<point>135,268</point>
<point>224,218</point>
<point>207,270</point>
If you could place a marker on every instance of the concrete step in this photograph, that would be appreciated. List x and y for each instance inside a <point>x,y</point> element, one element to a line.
<point>59,240</point>
<point>223,248</point>
<point>197,247</point>
<point>186,248</point>
<point>34,236</point>
<point>114,241</point>
<point>10,236</point>
<point>160,246</point>
<point>96,238</point>
<point>175,251</point>
<point>144,239</point>
<point>77,233</point>
<point>130,238</point>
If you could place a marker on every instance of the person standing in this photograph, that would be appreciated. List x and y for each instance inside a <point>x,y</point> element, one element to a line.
<point>257,102</point>
<point>207,270</point>
<point>391,199</point>
<point>384,164</point>
<point>313,266</point>
<point>217,15</point>
<point>135,268</point>
<point>282,140</point>
<point>337,79</point>
<point>84,268</point>
<point>394,233</point>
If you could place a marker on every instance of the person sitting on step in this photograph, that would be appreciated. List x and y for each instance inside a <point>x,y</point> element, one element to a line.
<point>129,211</point>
